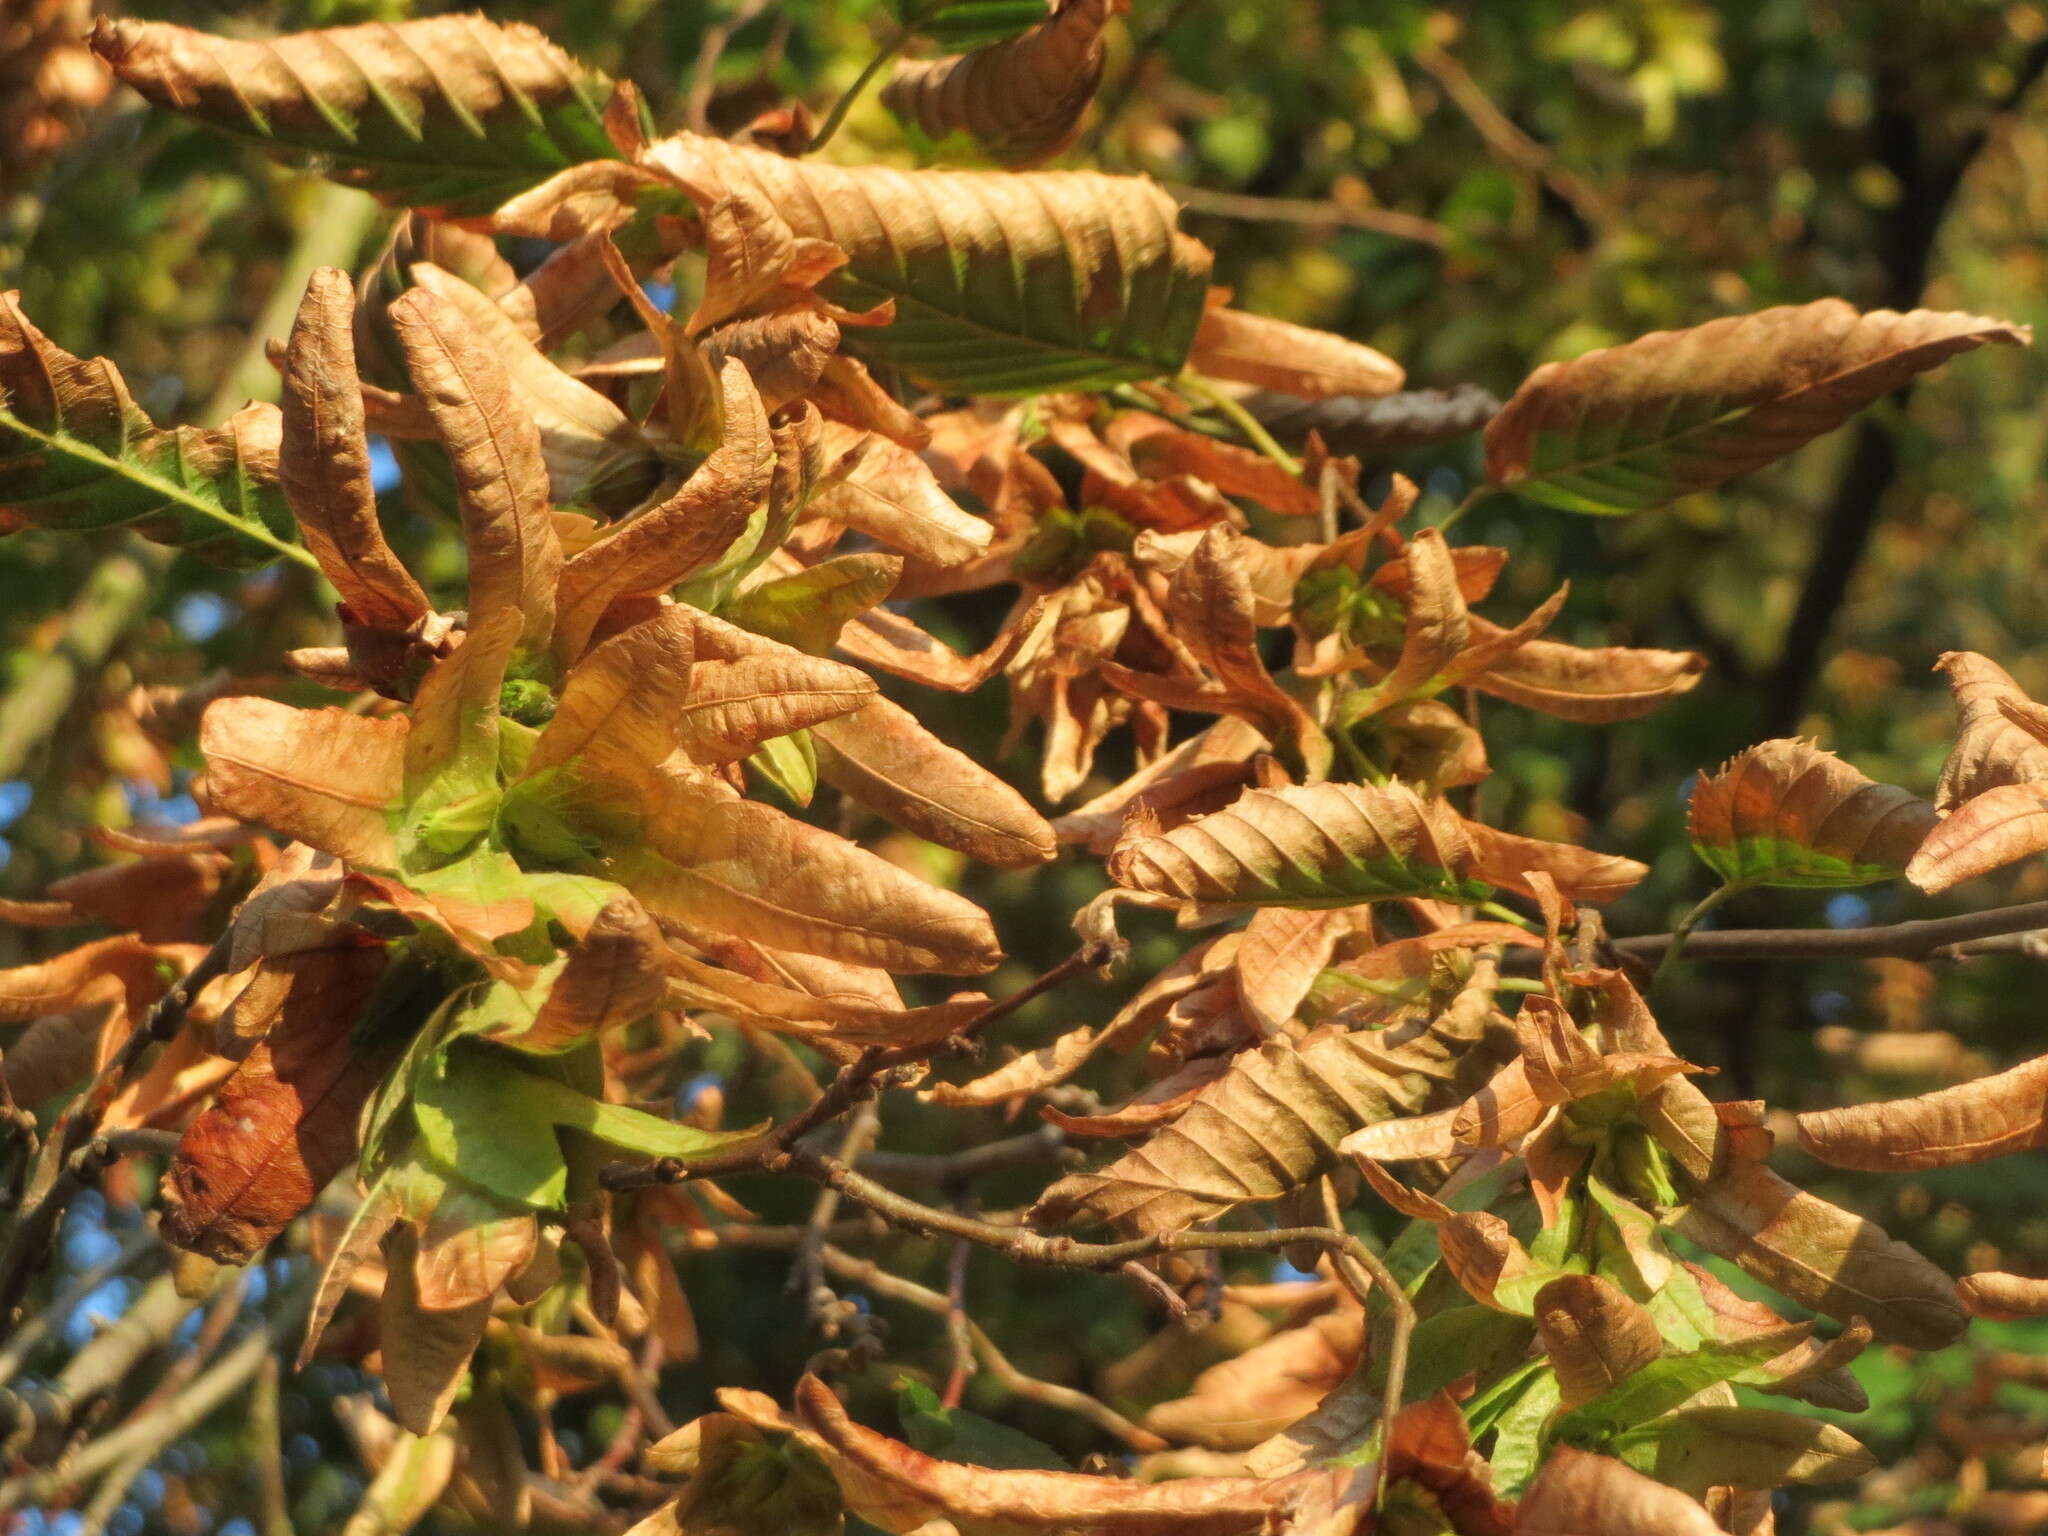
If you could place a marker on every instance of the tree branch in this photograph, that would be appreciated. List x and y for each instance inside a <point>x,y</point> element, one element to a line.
<point>1921,939</point>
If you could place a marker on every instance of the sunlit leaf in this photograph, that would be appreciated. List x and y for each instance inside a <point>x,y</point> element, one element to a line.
<point>1786,813</point>
<point>1628,428</point>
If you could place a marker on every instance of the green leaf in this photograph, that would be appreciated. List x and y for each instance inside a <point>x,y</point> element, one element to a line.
<point>482,1115</point>
<point>789,765</point>
<point>1519,1440</point>
<point>1669,1381</point>
<point>77,453</point>
<point>449,113</point>
<point>955,1434</point>
<point>809,609</point>
<point>960,24</point>
<point>1700,1448</point>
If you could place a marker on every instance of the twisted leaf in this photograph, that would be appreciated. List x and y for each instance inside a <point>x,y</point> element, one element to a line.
<point>1578,1493</point>
<point>1002,283</point>
<point>1785,813</point>
<point>1628,428</point>
<point>324,460</point>
<point>77,453</point>
<point>1021,100</point>
<point>449,113</point>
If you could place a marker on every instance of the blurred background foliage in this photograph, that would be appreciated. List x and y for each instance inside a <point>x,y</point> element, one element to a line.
<point>1472,190</point>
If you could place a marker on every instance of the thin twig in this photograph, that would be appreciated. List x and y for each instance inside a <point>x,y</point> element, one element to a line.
<point>1921,939</point>
<point>704,73</point>
<point>806,1275</point>
<point>1312,211</point>
<point>883,55</point>
<point>30,1245</point>
<point>855,1083</point>
<point>871,1276</point>
<point>266,1451</point>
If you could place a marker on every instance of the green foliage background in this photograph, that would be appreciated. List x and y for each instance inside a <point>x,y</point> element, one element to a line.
<point>1581,174</point>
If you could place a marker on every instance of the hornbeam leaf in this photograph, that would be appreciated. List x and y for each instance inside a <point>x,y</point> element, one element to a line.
<point>1596,1335</point>
<point>1997,828</point>
<point>1969,1123</point>
<point>1993,748</point>
<point>324,460</point>
<point>1003,283</point>
<point>1629,428</point>
<point>326,777</point>
<point>880,756</point>
<point>735,707</point>
<point>77,453</point>
<point>1578,1493</point>
<point>1273,1121</point>
<point>453,114</point>
<point>721,865</point>
<point>1700,1448</point>
<point>1319,845</point>
<point>899,1488</point>
<point>1822,1256</point>
<point>1999,1297</point>
<point>1020,100</point>
<point>1786,813</point>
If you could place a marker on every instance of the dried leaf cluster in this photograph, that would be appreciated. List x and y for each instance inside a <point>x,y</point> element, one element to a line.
<point>465,918</point>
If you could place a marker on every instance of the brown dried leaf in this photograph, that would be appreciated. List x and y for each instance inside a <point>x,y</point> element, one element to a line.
<point>1275,1119</point>
<point>1999,1297</point>
<point>501,478</point>
<point>1280,955</point>
<point>725,865</point>
<point>1021,100</point>
<point>1594,687</point>
<point>1632,427</point>
<point>1969,1123</point>
<point>615,718</point>
<point>583,436</point>
<point>1596,1334</point>
<point>891,494</point>
<point>426,1354</point>
<point>1822,1256</point>
<point>1786,813</point>
<point>1241,1401</point>
<point>324,461</point>
<point>617,973</point>
<point>1991,748</point>
<point>734,706</point>
<point>900,1489</point>
<point>1289,359</point>
<point>1579,1493</point>
<point>1580,874</point>
<point>688,531</point>
<point>1021,1077</point>
<point>323,776</point>
<point>1997,828</point>
<point>285,1123</point>
<point>880,756</point>
<point>852,1018</point>
<point>1320,845</point>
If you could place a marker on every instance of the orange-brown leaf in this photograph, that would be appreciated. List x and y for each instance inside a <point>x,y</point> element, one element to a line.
<point>324,460</point>
<point>323,776</point>
<point>1997,828</point>
<point>1292,359</point>
<point>1991,748</point>
<point>1969,1123</point>
<point>1021,100</point>
<point>1787,813</point>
